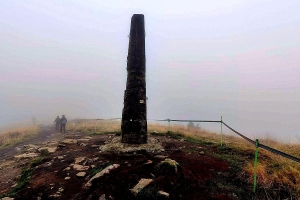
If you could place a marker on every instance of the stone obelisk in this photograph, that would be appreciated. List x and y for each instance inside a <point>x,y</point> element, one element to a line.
<point>134,116</point>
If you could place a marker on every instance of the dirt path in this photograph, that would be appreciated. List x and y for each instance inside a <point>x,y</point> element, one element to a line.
<point>47,133</point>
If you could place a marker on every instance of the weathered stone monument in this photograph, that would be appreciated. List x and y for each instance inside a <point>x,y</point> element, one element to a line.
<point>134,116</point>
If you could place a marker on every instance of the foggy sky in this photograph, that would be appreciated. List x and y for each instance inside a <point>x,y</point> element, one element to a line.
<point>236,59</point>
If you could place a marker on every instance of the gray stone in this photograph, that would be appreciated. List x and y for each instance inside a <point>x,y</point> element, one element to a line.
<point>18,149</point>
<point>148,162</point>
<point>79,160</point>
<point>27,155</point>
<point>169,163</point>
<point>164,194</point>
<point>100,174</point>
<point>102,197</point>
<point>67,169</point>
<point>83,140</point>
<point>140,186</point>
<point>70,141</point>
<point>80,167</point>
<point>81,174</point>
<point>49,149</point>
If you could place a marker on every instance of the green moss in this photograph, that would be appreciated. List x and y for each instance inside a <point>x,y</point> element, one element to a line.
<point>25,176</point>
<point>96,170</point>
<point>168,165</point>
<point>36,162</point>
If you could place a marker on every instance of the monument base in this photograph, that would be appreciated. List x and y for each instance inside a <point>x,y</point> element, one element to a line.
<point>133,138</point>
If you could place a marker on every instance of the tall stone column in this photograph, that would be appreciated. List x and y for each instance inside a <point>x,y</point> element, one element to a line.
<point>134,116</point>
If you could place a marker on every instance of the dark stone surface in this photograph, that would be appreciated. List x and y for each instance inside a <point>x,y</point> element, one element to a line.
<point>134,116</point>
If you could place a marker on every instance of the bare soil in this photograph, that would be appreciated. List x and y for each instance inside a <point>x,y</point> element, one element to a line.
<point>200,175</point>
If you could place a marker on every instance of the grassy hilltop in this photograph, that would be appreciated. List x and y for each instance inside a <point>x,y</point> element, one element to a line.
<point>277,177</point>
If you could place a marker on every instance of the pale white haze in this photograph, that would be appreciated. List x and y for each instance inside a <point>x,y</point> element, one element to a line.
<point>205,59</point>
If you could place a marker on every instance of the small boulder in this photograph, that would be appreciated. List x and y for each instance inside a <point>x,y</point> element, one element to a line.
<point>79,160</point>
<point>67,169</point>
<point>100,174</point>
<point>27,155</point>
<point>140,186</point>
<point>148,162</point>
<point>80,167</point>
<point>83,140</point>
<point>96,158</point>
<point>7,198</point>
<point>168,165</point>
<point>70,141</point>
<point>81,174</point>
<point>49,149</point>
<point>163,194</point>
<point>102,197</point>
<point>18,149</point>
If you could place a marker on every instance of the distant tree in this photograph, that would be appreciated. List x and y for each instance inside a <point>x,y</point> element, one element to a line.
<point>33,120</point>
<point>191,125</point>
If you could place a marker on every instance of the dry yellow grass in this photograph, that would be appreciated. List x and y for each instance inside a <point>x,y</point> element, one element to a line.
<point>94,126</point>
<point>17,135</point>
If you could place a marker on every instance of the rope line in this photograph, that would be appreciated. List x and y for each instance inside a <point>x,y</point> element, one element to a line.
<point>248,139</point>
<point>177,120</point>
<point>241,135</point>
<point>266,147</point>
<point>279,152</point>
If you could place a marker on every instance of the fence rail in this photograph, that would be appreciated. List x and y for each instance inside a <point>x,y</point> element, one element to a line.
<point>275,151</point>
<point>256,143</point>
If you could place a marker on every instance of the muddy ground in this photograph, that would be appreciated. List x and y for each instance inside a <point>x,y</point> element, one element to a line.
<point>199,176</point>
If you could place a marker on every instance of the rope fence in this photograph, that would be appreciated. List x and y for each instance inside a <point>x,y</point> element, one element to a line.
<point>255,143</point>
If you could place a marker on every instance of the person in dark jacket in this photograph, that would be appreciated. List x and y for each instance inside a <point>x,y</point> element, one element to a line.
<point>63,122</point>
<point>57,122</point>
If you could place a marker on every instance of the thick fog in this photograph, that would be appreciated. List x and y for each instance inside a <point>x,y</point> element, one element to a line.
<point>236,59</point>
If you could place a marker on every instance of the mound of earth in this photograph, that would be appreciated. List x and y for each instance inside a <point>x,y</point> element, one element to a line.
<point>100,167</point>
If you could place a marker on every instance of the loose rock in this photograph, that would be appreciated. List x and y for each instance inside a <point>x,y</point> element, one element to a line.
<point>148,162</point>
<point>172,164</point>
<point>141,185</point>
<point>67,168</point>
<point>102,197</point>
<point>83,140</point>
<point>49,149</point>
<point>79,160</point>
<point>104,171</point>
<point>7,198</point>
<point>81,174</point>
<point>162,193</point>
<point>80,167</point>
<point>70,141</point>
<point>27,155</point>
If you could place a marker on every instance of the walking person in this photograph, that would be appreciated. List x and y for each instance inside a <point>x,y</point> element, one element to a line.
<point>63,122</point>
<point>57,122</point>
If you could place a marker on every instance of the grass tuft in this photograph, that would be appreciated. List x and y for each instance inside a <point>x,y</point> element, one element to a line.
<point>17,135</point>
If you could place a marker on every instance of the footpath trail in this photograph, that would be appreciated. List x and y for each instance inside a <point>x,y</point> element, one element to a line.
<point>47,133</point>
